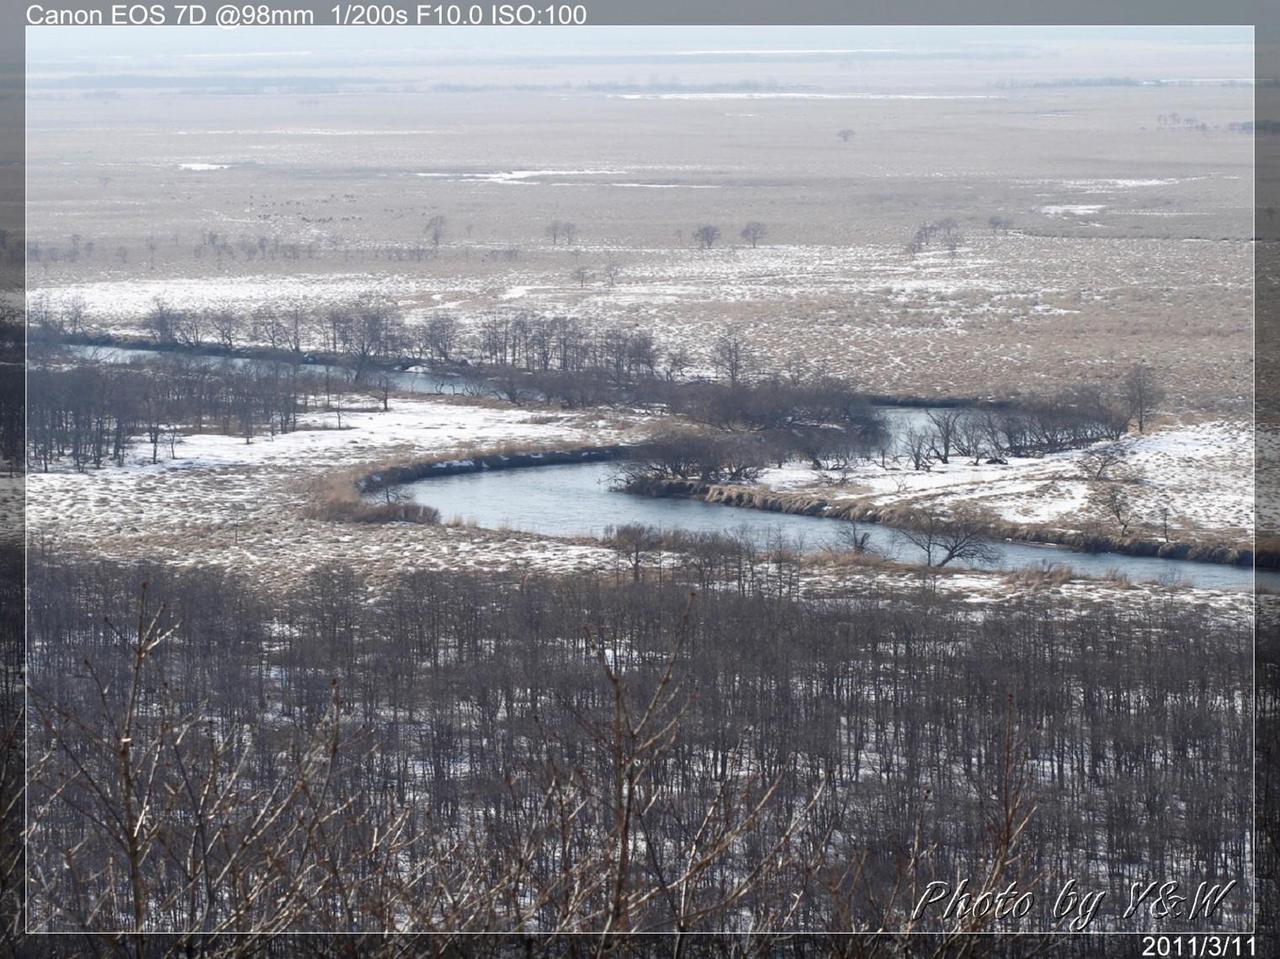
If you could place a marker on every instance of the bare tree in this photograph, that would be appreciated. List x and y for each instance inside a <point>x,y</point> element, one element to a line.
<point>942,538</point>
<point>297,321</point>
<point>678,360</point>
<point>633,542</point>
<point>162,320</point>
<point>707,235</point>
<point>41,314</point>
<point>946,428</point>
<point>846,134</point>
<point>434,228</point>
<point>918,444</point>
<point>971,437</point>
<point>383,383</point>
<point>440,334</point>
<point>369,326</point>
<point>222,320</point>
<point>1119,505</point>
<point>74,310</point>
<point>677,767</point>
<point>189,329</point>
<point>753,233</point>
<point>731,356</point>
<point>266,325</point>
<point>852,539</point>
<point>1098,461</point>
<point>179,832</point>
<point>1142,393</point>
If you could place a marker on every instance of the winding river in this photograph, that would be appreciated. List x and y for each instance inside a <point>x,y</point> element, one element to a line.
<point>577,500</point>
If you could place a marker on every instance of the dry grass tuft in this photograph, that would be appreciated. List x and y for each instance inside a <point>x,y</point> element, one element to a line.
<point>1054,575</point>
<point>335,498</point>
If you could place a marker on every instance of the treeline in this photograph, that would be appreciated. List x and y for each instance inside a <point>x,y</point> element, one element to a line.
<point>750,425</point>
<point>460,751</point>
<point>91,414</point>
<point>834,429</point>
<point>1070,419</point>
<point>522,356</point>
<point>371,328</point>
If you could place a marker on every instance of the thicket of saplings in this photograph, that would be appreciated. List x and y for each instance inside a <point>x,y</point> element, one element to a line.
<point>456,751</point>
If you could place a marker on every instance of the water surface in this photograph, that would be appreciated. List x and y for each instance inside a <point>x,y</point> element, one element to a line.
<point>577,500</point>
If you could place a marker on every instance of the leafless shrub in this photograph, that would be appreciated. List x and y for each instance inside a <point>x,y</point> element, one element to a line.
<point>1118,504</point>
<point>852,539</point>
<point>732,357</point>
<point>945,423</point>
<point>918,445</point>
<point>942,537</point>
<point>1099,461</point>
<point>691,455</point>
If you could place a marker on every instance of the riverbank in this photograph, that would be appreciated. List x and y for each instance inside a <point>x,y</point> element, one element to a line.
<point>506,459</point>
<point>347,495</point>
<point>1043,501</point>
<point>570,496</point>
<point>803,504</point>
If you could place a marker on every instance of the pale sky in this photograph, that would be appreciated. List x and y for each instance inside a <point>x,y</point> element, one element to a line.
<point>137,45</point>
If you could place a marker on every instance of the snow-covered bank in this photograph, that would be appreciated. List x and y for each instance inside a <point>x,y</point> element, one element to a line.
<point>1193,481</point>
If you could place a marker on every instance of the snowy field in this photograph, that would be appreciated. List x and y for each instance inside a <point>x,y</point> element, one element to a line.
<point>222,501</point>
<point>1202,473</point>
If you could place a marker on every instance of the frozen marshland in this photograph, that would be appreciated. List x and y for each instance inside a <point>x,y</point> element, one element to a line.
<point>986,291</point>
